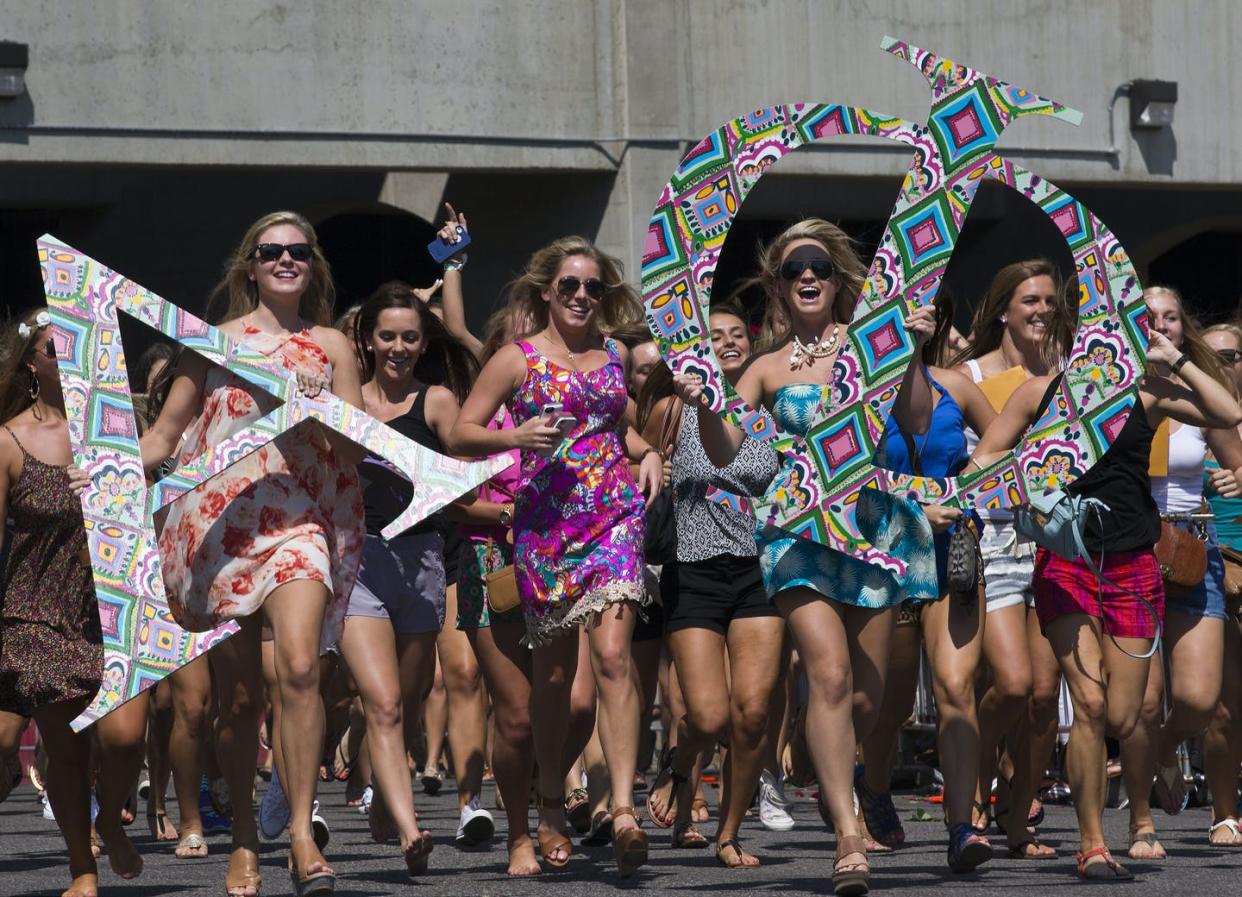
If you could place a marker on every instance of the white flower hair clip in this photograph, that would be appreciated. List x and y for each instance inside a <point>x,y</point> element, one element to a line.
<point>42,319</point>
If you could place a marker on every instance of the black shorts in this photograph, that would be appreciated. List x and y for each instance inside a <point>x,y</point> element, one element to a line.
<point>709,594</point>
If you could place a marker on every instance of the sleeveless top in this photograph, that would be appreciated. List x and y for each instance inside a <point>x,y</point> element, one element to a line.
<point>1228,511</point>
<point>385,492</point>
<point>500,489</point>
<point>941,452</point>
<point>1120,480</point>
<point>1181,490</point>
<point>992,515</point>
<point>707,527</point>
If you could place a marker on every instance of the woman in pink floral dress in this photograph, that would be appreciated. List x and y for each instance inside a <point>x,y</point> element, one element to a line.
<point>578,518</point>
<point>281,530</point>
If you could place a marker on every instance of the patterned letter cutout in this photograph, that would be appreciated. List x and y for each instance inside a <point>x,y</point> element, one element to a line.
<point>142,643</point>
<point>820,481</point>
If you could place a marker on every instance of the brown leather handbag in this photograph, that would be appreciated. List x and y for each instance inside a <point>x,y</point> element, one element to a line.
<point>1233,580</point>
<point>1182,555</point>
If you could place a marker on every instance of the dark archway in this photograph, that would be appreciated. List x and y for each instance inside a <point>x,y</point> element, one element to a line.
<point>1207,270</point>
<point>367,248</point>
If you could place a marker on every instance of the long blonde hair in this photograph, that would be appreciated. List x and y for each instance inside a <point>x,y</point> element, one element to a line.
<point>242,294</point>
<point>619,307</point>
<point>851,274</point>
<point>1236,332</point>
<point>15,385</point>
<point>1200,352</point>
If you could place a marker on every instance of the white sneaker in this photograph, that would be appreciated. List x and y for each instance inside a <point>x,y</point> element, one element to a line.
<point>322,833</point>
<point>368,795</point>
<point>475,826</point>
<point>47,809</point>
<point>772,804</point>
<point>274,810</point>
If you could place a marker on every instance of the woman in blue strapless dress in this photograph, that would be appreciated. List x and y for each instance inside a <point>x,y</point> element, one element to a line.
<point>840,609</point>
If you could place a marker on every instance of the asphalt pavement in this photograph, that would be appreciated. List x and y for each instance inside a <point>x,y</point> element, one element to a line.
<point>794,863</point>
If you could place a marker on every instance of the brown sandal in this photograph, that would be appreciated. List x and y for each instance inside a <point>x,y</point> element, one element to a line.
<point>1108,870</point>
<point>554,842</point>
<point>629,846</point>
<point>309,884</point>
<point>850,880</point>
<point>686,836</point>
<point>242,878</point>
<point>738,861</point>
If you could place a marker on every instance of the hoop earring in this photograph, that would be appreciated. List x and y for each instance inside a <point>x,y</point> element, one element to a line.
<point>34,387</point>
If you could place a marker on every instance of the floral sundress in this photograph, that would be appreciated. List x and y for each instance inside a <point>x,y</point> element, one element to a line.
<point>288,511</point>
<point>579,520</point>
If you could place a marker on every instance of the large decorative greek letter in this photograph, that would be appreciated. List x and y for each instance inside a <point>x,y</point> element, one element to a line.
<point>142,643</point>
<point>953,154</point>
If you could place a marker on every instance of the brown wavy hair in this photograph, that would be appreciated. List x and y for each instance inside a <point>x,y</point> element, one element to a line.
<point>239,293</point>
<point>15,377</point>
<point>444,361</point>
<point>987,329</point>
<point>851,274</point>
<point>619,307</point>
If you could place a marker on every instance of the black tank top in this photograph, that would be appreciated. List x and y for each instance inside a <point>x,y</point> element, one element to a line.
<point>385,492</point>
<point>1120,480</point>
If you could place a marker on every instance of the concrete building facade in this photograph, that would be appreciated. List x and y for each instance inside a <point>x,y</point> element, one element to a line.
<point>150,134</point>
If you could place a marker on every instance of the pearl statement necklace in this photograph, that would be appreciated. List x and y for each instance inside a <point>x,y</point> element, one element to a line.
<point>807,353</point>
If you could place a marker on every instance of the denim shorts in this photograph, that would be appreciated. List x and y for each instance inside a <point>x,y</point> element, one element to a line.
<point>1207,599</point>
<point>1008,566</point>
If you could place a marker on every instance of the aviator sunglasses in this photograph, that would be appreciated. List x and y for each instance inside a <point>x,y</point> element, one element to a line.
<point>568,287</point>
<point>792,269</point>
<point>1229,356</point>
<point>270,252</point>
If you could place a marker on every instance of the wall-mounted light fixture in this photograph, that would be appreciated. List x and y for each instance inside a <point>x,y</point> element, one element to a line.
<point>14,58</point>
<point>1151,104</point>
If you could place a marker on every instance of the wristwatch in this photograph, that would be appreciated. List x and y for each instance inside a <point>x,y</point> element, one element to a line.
<point>506,515</point>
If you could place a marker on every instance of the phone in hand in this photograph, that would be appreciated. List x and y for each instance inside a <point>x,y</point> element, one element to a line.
<point>554,413</point>
<point>440,251</point>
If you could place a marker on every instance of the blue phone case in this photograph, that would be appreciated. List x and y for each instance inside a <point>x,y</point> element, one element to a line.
<point>440,251</point>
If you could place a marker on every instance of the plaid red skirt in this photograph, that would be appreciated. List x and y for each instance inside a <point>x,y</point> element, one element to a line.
<point>1068,587</point>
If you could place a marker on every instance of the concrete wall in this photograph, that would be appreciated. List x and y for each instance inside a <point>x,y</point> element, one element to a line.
<point>546,116</point>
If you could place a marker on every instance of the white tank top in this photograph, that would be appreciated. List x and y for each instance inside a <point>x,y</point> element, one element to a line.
<point>1182,490</point>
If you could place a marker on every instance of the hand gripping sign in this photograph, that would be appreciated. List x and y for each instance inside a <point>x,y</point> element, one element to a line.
<point>142,642</point>
<point>818,489</point>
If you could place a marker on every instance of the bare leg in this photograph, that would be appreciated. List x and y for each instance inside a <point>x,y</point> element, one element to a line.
<point>370,648</point>
<point>191,698</point>
<point>435,720</point>
<point>581,707</point>
<point>1107,689</point>
<point>1222,745</point>
<point>159,764</point>
<point>466,702</point>
<point>1138,763</point>
<point>506,667</point>
<point>237,666</point>
<point>954,637</point>
<point>1005,701</point>
<point>68,789</point>
<point>121,735</point>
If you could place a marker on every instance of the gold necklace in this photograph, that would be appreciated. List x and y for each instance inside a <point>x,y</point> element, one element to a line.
<point>807,353</point>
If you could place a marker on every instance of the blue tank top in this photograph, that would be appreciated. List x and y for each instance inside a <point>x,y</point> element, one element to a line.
<point>941,450</point>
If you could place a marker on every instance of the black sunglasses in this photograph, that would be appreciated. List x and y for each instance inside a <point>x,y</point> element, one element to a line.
<point>270,252</point>
<point>50,349</point>
<point>793,268</point>
<point>1229,356</point>
<point>568,286</point>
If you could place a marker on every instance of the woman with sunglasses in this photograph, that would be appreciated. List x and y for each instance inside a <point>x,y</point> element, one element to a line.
<point>1194,618</point>
<point>578,516</point>
<point>51,642</point>
<point>1022,329</point>
<point>1222,744</point>
<point>280,531</point>
<point>839,608</point>
<point>1099,631</point>
<point>724,635</point>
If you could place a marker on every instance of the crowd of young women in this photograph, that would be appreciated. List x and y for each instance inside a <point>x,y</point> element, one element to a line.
<point>287,543</point>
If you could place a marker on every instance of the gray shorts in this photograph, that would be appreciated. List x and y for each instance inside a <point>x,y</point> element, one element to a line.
<point>1008,566</point>
<point>402,580</point>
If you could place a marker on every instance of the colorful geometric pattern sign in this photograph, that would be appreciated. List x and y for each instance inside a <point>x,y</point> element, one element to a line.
<point>953,153</point>
<point>142,642</point>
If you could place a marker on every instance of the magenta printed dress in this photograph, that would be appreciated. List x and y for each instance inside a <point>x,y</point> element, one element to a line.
<point>288,511</point>
<point>578,517</point>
